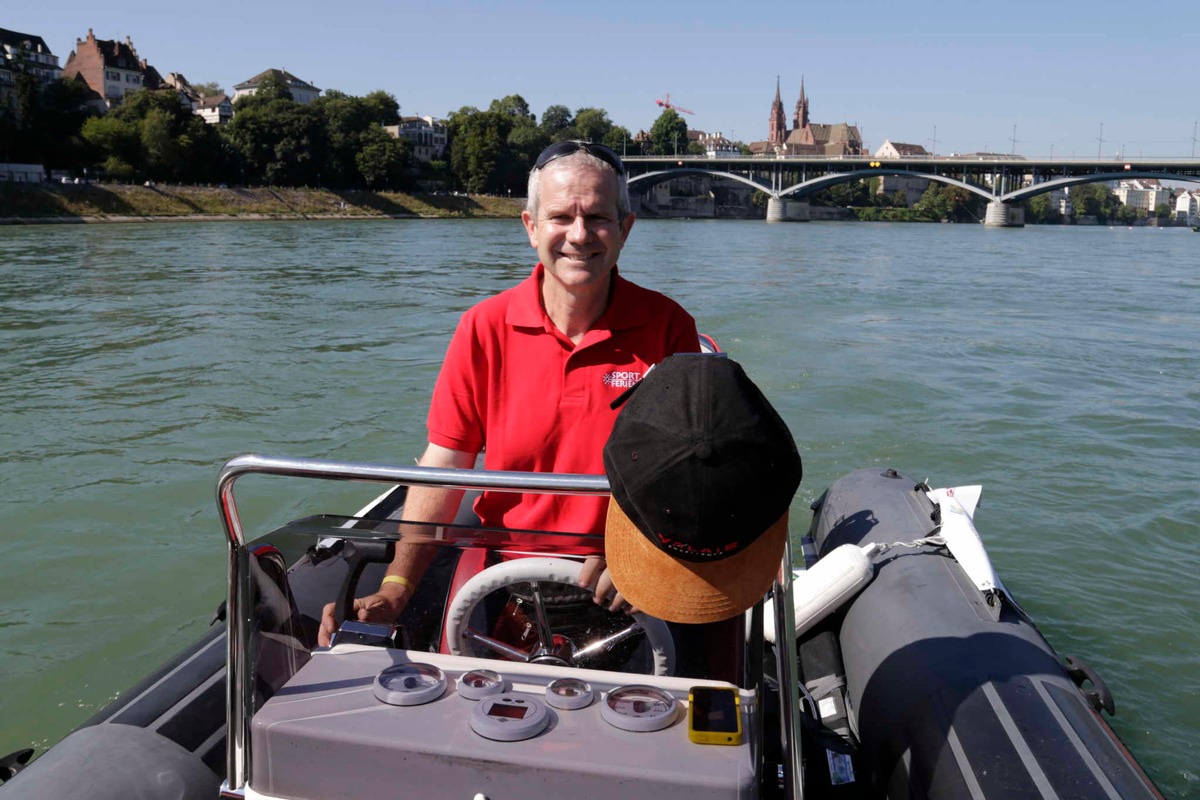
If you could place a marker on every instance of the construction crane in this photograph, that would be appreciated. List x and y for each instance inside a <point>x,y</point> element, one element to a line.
<point>666,103</point>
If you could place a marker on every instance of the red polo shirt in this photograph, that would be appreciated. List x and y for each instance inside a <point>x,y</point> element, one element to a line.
<point>515,386</point>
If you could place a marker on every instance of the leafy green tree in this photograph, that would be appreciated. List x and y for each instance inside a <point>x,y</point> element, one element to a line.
<point>153,135</point>
<point>350,125</point>
<point>1094,200</point>
<point>592,124</point>
<point>477,143</point>
<point>668,134</point>
<point>209,89</point>
<point>513,106</point>
<point>43,127</point>
<point>278,141</point>
<point>619,140</point>
<point>491,151</point>
<point>555,120</point>
<point>1040,210</point>
<point>843,195</point>
<point>382,160</point>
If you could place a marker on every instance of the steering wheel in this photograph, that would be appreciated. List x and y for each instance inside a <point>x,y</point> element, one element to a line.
<point>549,649</point>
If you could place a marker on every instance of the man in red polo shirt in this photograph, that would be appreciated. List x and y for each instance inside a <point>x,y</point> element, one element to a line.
<point>530,373</point>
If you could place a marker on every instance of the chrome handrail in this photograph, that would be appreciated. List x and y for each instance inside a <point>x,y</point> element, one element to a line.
<point>239,685</point>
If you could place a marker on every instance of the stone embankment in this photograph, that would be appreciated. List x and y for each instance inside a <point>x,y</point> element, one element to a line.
<point>22,203</point>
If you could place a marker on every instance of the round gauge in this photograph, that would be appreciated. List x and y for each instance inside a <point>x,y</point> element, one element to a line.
<point>480,683</point>
<point>639,708</point>
<point>569,694</point>
<point>409,684</point>
<point>509,717</point>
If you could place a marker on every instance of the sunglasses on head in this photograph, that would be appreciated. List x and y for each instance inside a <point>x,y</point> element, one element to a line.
<point>561,149</point>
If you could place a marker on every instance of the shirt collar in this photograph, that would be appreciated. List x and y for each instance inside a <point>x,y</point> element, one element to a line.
<point>623,312</point>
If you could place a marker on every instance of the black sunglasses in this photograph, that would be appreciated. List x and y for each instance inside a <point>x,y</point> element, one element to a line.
<point>561,149</point>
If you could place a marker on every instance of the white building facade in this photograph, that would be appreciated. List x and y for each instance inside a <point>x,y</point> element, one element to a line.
<point>427,136</point>
<point>303,92</point>
<point>1145,194</point>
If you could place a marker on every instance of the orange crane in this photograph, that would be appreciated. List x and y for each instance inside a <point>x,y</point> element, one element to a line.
<point>666,103</point>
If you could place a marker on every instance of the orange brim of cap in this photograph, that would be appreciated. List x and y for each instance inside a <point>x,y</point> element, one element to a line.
<point>692,592</point>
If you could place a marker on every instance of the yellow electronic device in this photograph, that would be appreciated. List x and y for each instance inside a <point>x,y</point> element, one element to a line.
<point>714,715</point>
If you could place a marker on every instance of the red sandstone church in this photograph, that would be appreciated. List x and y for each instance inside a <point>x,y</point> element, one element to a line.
<point>805,138</point>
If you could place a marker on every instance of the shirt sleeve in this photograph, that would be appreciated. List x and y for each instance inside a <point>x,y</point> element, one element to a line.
<point>682,336</point>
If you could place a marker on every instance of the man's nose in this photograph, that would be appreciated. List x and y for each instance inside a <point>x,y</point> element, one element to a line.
<point>578,231</point>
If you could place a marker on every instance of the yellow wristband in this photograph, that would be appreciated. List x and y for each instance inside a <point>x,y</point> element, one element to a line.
<point>400,579</point>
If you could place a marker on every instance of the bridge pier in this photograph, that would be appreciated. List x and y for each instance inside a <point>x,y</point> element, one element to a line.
<point>1003,215</point>
<point>783,210</point>
<point>776,209</point>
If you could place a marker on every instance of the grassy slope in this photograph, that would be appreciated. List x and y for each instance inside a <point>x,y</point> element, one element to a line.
<point>42,201</point>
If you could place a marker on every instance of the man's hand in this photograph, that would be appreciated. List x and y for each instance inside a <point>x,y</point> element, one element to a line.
<point>595,576</point>
<point>378,607</point>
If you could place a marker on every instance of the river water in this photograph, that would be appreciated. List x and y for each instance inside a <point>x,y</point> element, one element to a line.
<point>1057,366</point>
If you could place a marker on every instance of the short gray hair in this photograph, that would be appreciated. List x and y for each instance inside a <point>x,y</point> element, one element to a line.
<point>580,159</point>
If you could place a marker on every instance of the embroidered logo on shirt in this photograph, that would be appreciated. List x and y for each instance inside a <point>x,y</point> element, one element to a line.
<point>621,380</point>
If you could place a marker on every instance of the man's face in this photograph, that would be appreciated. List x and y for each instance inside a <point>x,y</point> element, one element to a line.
<point>578,233</point>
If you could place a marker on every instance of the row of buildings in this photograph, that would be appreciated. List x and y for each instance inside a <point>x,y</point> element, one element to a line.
<point>112,69</point>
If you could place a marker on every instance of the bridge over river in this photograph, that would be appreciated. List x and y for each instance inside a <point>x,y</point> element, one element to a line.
<point>1002,180</point>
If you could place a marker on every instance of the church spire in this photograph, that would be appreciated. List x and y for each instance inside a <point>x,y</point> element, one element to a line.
<point>800,118</point>
<point>777,132</point>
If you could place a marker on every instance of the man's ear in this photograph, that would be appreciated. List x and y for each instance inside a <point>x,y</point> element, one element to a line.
<point>626,226</point>
<point>531,228</point>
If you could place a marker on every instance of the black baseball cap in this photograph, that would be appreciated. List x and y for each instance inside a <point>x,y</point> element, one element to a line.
<point>702,471</point>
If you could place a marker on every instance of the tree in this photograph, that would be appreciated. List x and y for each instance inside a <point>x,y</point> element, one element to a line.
<point>152,135</point>
<point>618,139</point>
<point>555,120</point>
<point>592,124</point>
<point>43,128</point>
<point>668,134</point>
<point>513,106</point>
<point>383,159</point>
<point>1040,210</point>
<point>1094,200</point>
<point>209,89</point>
<point>278,141</point>
<point>492,151</point>
<point>351,124</point>
<point>477,142</point>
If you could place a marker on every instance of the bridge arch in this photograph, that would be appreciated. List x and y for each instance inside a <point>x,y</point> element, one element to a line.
<point>648,179</point>
<point>1080,180</point>
<point>814,185</point>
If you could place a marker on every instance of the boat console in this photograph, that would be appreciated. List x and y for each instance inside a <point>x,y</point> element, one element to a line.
<point>502,684</point>
<point>357,721</point>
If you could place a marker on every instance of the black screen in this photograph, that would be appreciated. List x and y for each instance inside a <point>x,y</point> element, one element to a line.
<point>714,710</point>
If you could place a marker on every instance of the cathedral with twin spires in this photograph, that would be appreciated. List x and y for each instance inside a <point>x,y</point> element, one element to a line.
<point>805,138</point>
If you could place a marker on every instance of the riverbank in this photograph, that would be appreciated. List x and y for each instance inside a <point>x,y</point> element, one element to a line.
<point>23,203</point>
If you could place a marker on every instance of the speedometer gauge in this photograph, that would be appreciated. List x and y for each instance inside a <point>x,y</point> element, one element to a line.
<point>639,708</point>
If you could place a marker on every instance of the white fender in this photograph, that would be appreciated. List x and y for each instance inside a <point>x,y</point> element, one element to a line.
<point>957,505</point>
<point>823,588</point>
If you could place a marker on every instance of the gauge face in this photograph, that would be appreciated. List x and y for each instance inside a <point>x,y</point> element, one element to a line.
<point>509,717</point>
<point>569,694</point>
<point>409,684</point>
<point>480,683</point>
<point>639,708</point>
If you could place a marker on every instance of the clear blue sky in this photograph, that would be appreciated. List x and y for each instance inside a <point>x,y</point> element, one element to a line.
<point>1056,70</point>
